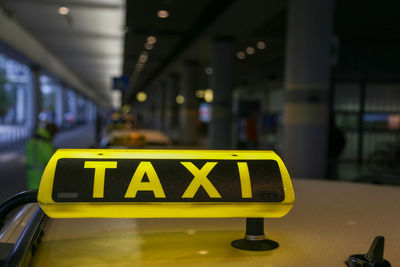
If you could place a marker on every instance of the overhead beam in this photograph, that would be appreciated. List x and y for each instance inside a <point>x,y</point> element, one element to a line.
<point>82,4</point>
<point>78,34</point>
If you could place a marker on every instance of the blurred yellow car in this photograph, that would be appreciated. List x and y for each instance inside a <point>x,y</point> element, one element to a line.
<point>137,138</point>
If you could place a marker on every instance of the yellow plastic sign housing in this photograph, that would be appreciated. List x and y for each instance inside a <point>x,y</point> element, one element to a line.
<point>111,183</point>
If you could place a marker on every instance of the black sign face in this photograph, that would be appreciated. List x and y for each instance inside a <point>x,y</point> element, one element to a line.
<point>167,180</point>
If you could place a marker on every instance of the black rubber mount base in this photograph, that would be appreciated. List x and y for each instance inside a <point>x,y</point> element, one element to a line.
<point>362,260</point>
<point>256,245</point>
<point>373,258</point>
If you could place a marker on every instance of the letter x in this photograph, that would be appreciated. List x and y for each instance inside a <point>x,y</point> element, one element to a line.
<point>200,179</point>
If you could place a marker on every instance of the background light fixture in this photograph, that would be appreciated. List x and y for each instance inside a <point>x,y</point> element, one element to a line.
<point>199,93</point>
<point>144,56</point>
<point>63,10</point>
<point>148,46</point>
<point>180,99</point>
<point>151,39</point>
<point>141,96</point>
<point>208,95</point>
<point>209,70</point>
<point>162,14</point>
<point>139,66</point>
<point>250,50</point>
<point>240,55</point>
<point>260,45</point>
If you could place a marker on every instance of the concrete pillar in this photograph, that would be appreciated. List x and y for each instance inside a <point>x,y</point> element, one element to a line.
<point>139,109</point>
<point>20,105</point>
<point>161,101</point>
<point>158,101</point>
<point>33,103</point>
<point>171,107</point>
<point>307,78</point>
<point>72,103</point>
<point>152,107</point>
<point>146,112</point>
<point>59,106</point>
<point>95,109</point>
<point>87,110</point>
<point>92,111</point>
<point>189,111</point>
<point>220,131</point>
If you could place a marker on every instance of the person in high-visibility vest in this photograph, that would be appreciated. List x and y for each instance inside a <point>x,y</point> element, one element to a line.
<point>38,152</point>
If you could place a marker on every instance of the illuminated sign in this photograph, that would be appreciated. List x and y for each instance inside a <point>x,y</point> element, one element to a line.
<point>165,183</point>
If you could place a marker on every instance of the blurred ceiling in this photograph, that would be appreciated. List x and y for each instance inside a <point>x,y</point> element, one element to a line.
<point>89,40</point>
<point>97,41</point>
<point>188,32</point>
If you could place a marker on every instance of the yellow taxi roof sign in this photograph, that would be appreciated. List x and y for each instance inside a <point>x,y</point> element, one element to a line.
<point>107,183</point>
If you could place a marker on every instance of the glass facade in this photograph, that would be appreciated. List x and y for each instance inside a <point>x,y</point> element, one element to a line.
<point>56,103</point>
<point>14,81</point>
<point>48,89</point>
<point>369,116</point>
<point>71,111</point>
<point>81,109</point>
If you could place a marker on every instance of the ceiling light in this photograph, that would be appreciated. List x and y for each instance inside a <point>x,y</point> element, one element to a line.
<point>209,70</point>
<point>250,50</point>
<point>141,96</point>
<point>148,46</point>
<point>200,93</point>
<point>162,14</point>
<point>143,57</point>
<point>208,95</point>
<point>139,66</point>
<point>126,108</point>
<point>240,55</point>
<point>260,45</point>
<point>63,10</point>
<point>151,39</point>
<point>180,99</point>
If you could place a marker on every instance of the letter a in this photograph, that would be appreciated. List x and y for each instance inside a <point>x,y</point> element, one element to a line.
<point>153,184</point>
<point>200,179</point>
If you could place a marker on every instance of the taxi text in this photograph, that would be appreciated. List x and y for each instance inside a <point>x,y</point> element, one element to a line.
<point>153,184</point>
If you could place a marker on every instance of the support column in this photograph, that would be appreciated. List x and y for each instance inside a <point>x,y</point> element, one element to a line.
<point>88,110</point>
<point>161,95</point>
<point>20,105</point>
<point>159,106</point>
<point>146,111</point>
<point>59,106</point>
<point>33,101</point>
<point>95,109</point>
<point>220,132</point>
<point>152,107</point>
<point>171,107</point>
<point>190,82</point>
<point>307,79</point>
<point>74,106</point>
